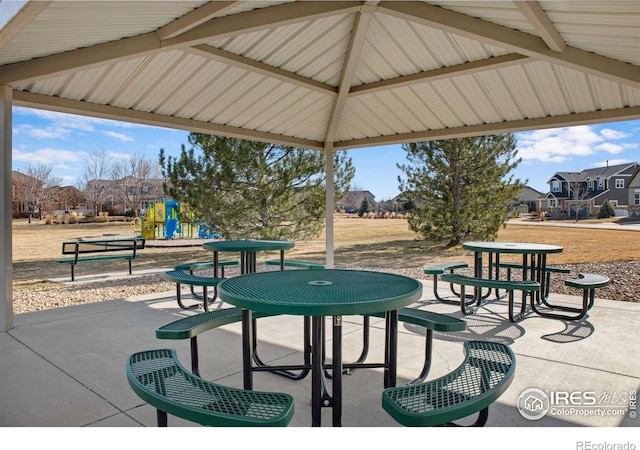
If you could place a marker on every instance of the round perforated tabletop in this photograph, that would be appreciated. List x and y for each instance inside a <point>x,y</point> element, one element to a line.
<point>331,292</point>
<point>251,245</point>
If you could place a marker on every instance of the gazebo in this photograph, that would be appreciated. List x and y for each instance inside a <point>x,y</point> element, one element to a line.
<point>323,75</point>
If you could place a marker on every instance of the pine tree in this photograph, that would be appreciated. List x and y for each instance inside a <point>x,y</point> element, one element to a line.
<point>461,187</point>
<point>365,207</point>
<point>246,189</point>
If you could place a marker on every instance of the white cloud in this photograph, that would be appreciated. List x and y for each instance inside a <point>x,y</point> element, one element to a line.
<point>608,133</point>
<point>562,144</point>
<point>120,136</point>
<point>53,157</point>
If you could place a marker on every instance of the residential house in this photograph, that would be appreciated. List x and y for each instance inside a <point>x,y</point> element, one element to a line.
<point>528,200</point>
<point>633,192</point>
<point>587,190</point>
<point>19,207</point>
<point>109,195</point>
<point>352,201</point>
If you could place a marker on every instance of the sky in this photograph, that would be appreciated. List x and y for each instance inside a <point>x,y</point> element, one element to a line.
<point>62,142</point>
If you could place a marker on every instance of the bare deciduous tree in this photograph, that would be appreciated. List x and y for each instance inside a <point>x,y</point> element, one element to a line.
<point>35,189</point>
<point>97,168</point>
<point>133,180</point>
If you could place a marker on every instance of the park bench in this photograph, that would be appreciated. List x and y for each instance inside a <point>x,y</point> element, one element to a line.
<point>483,376</point>
<point>295,263</point>
<point>510,286</point>
<point>441,269</point>
<point>548,271</point>
<point>588,282</point>
<point>95,249</point>
<point>158,378</point>
<point>431,321</point>
<point>191,279</point>
<point>190,327</point>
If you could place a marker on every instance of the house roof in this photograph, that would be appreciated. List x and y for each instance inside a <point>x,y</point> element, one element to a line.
<point>334,74</point>
<point>596,172</point>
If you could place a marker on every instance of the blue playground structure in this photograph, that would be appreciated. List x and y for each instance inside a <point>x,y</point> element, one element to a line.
<point>165,219</point>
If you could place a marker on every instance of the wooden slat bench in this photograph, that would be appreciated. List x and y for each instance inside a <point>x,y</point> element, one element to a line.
<point>190,327</point>
<point>480,380</point>
<point>295,263</point>
<point>192,267</point>
<point>158,378</point>
<point>588,282</point>
<point>508,285</point>
<point>441,269</point>
<point>95,249</point>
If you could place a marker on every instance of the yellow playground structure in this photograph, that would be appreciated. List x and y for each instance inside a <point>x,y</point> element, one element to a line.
<point>165,220</point>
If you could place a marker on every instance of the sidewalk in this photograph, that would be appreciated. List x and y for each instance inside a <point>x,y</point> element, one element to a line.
<point>65,367</point>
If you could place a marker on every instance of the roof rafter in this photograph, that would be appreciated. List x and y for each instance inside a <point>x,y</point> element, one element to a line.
<point>149,43</point>
<point>536,16</point>
<point>356,43</point>
<point>196,17</point>
<point>259,19</point>
<point>20,20</point>
<point>586,118</point>
<point>442,73</point>
<point>513,40</point>
<point>39,101</point>
<point>242,62</point>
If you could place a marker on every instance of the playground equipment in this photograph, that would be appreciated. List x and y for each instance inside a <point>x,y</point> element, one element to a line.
<point>168,219</point>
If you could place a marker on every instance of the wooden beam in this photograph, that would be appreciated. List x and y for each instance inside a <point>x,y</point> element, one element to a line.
<point>149,44</point>
<point>568,120</point>
<point>513,40</point>
<point>497,62</point>
<point>536,16</point>
<point>254,66</point>
<point>356,43</point>
<point>38,101</point>
<point>195,18</point>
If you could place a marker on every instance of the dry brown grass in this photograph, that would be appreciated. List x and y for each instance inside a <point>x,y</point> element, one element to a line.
<point>358,242</point>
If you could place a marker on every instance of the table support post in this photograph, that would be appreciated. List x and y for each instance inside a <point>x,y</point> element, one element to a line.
<point>316,371</point>
<point>391,348</point>
<point>337,371</point>
<point>247,350</point>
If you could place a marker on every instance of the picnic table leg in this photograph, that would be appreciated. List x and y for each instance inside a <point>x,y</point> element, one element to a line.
<point>316,371</point>
<point>337,372</point>
<point>247,350</point>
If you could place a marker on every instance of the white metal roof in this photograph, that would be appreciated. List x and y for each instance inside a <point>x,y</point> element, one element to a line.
<point>343,74</point>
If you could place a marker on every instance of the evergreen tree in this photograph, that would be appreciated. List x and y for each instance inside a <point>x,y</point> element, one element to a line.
<point>365,207</point>
<point>246,189</point>
<point>606,210</point>
<point>461,187</point>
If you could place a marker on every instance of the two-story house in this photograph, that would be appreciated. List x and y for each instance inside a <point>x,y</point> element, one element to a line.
<point>589,189</point>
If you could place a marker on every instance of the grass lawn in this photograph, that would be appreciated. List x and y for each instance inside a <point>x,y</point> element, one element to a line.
<point>380,243</point>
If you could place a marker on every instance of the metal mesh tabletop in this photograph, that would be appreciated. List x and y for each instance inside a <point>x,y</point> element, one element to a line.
<point>523,248</point>
<point>247,246</point>
<point>329,292</point>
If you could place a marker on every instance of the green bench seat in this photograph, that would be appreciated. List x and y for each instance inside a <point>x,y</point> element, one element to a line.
<point>431,321</point>
<point>190,327</point>
<point>510,286</point>
<point>158,378</point>
<point>484,375</point>
<point>441,269</point>
<point>295,263</point>
<point>180,277</point>
<point>588,282</point>
<point>190,267</point>
<point>548,271</point>
<point>92,250</point>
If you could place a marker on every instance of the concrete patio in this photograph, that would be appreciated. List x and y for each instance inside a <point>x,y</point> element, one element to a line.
<point>65,367</point>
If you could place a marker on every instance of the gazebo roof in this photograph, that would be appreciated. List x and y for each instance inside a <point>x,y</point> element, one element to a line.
<point>330,74</point>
